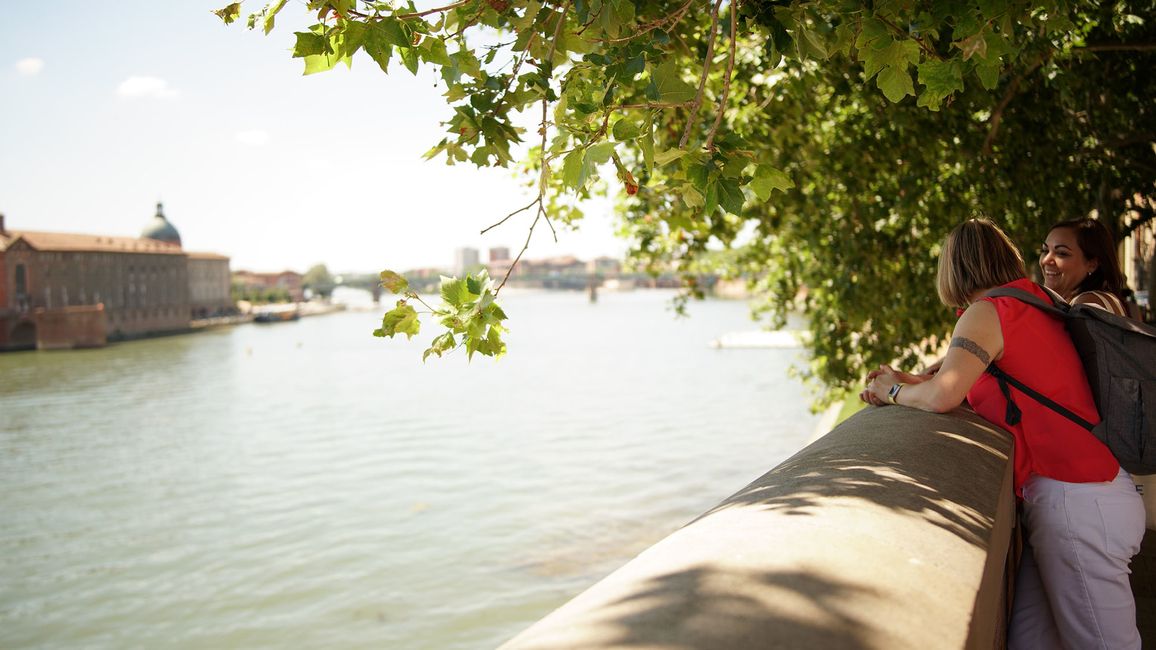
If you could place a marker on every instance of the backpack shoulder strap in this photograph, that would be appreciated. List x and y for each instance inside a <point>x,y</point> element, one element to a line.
<point>1013,413</point>
<point>1058,306</point>
<point>1111,301</point>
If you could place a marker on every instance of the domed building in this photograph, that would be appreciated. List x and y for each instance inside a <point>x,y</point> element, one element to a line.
<point>159,228</point>
<point>62,290</point>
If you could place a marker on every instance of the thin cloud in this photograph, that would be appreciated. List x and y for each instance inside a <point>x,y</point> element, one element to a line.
<point>30,67</point>
<point>253,138</point>
<point>145,87</point>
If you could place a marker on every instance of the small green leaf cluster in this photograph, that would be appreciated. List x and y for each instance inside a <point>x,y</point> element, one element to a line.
<point>469,313</point>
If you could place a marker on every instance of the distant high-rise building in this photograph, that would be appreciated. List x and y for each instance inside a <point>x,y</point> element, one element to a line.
<point>499,254</point>
<point>465,260</point>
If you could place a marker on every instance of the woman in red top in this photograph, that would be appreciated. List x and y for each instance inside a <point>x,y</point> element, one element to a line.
<point>1082,518</point>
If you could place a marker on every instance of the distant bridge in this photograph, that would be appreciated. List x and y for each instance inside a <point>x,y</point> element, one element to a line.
<point>563,281</point>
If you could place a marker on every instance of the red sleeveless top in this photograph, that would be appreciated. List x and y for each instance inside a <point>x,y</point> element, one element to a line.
<point>1038,351</point>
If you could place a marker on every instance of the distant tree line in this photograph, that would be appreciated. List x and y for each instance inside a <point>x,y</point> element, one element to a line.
<point>260,295</point>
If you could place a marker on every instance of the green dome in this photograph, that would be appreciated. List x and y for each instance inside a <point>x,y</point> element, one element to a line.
<point>160,229</point>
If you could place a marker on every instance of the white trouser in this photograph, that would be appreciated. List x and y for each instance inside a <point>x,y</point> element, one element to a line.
<point>1072,590</point>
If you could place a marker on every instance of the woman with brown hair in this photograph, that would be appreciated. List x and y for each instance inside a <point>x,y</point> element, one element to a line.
<point>1082,518</point>
<point>1079,262</point>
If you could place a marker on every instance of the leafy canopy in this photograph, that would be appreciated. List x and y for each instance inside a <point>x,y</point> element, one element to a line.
<point>830,143</point>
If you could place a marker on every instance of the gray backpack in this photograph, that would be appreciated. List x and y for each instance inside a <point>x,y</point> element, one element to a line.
<point>1119,356</point>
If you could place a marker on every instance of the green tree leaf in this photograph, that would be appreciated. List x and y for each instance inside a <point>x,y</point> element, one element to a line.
<point>402,319</point>
<point>599,153</point>
<point>410,58</point>
<point>271,15</point>
<point>872,31</point>
<point>671,88</point>
<point>626,129</point>
<point>898,54</point>
<point>692,196</point>
<point>670,155</point>
<point>573,171</point>
<point>441,344</point>
<point>378,46</point>
<point>941,79</point>
<point>895,83</point>
<point>315,63</point>
<point>310,44</point>
<point>229,12</point>
<point>394,282</point>
<point>455,291</point>
<point>768,179</point>
<point>730,195</point>
<point>988,75</point>
<point>393,31</point>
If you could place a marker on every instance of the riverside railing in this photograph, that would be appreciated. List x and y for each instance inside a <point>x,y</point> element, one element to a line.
<point>892,531</point>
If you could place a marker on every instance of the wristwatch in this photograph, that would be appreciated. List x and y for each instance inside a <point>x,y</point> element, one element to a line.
<point>893,393</point>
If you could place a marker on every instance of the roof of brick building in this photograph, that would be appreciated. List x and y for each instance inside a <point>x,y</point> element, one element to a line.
<point>72,242</point>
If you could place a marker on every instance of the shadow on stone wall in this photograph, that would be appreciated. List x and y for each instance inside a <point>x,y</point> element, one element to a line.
<point>882,457</point>
<point>708,607</point>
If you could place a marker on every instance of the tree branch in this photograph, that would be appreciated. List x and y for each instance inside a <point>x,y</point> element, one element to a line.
<point>507,217</point>
<point>655,105</point>
<point>722,102</point>
<point>525,247</point>
<point>1116,47</point>
<point>420,14</point>
<point>427,12</point>
<point>414,296</point>
<point>997,114</point>
<point>587,24</point>
<point>514,71</point>
<point>927,49</point>
<point>705,71</point>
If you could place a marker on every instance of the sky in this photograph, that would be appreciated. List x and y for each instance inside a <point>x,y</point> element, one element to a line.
<point>108,108</point>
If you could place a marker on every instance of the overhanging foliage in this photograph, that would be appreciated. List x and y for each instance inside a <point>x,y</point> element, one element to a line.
<point>832,143</point>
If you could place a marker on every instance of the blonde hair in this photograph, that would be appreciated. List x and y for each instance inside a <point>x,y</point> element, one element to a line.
<point>976,256</point>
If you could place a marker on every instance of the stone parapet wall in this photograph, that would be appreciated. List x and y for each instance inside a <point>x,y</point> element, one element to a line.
<point>893,531</point>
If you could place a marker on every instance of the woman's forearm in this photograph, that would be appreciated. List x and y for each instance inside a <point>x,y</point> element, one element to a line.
<point>929,395</point>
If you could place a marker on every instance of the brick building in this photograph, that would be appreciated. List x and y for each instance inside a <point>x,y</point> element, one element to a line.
<point>72,290</point>
<point>209,285</point>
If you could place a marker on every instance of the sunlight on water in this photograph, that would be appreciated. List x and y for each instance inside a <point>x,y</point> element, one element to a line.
<point>307,485</point>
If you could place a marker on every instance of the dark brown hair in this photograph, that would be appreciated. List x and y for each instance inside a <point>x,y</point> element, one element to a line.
<point>976,256</point>
<point>1097,244</point>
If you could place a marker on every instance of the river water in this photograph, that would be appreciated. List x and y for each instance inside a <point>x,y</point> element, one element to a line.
<point>305,485</point>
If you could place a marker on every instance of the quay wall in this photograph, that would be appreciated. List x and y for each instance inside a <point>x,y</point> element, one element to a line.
<point>892,531</point>
<point>79,326</point>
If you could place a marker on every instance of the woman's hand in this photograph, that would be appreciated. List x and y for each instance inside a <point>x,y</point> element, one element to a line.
<point>880,381</point>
